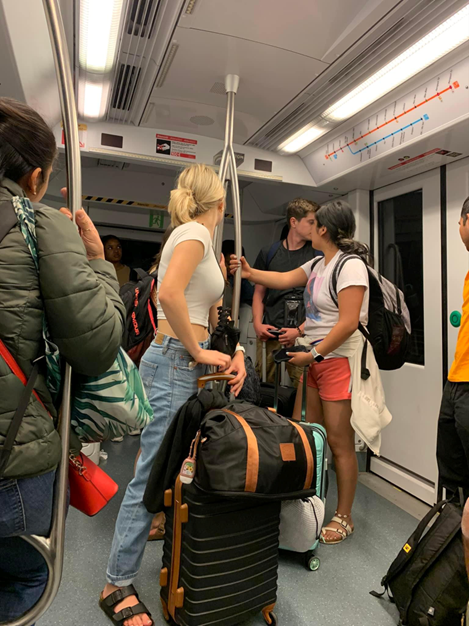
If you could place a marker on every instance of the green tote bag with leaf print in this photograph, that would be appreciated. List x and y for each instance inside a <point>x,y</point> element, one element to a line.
<point>103,407</point>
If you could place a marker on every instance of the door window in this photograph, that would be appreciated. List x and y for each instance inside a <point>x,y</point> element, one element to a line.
<point>400,225</point>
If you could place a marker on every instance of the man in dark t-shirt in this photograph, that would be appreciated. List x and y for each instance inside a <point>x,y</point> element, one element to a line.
<point>283,310</point>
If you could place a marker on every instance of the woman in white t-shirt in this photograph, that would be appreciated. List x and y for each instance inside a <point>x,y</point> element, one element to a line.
<point>327,328</point>
<point>190,288</point>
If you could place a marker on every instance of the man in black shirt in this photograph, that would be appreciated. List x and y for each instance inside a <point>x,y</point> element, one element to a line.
<point>283,310</point>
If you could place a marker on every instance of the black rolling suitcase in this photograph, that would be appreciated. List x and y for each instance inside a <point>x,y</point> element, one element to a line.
<point>220,555</point>
<point>220,558</point>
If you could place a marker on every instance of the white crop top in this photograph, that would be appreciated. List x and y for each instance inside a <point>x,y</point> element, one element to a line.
<point>207,283</point>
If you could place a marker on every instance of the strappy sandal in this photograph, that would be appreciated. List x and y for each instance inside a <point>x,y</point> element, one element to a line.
<point>344,531</point>
<point>108,604</point>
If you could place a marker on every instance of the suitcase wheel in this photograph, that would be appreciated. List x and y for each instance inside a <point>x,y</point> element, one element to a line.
<point>312,562</point>
<point>273,619</point>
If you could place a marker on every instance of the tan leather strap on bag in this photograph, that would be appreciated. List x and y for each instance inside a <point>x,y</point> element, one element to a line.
<point>309,456</point>
<point>252,469</point>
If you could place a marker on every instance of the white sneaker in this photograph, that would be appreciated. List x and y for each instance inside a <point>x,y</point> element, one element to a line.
<point>118,439</point>
<point>135,432</point>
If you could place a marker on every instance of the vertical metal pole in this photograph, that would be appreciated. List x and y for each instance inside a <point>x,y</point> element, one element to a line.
<point>231,86</point>
<point>238,235</point>
<point>52,548</point>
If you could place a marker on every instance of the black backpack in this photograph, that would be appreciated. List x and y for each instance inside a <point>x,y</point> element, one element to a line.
<point>428,579</point>
<point>389,325</point>
<point>140,322</point>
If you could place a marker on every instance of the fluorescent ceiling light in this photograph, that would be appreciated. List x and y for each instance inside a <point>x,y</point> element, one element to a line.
<point>302,139</point>
<point>99,30</point>
<point>447,36</point>
<point>98,42</point>
<point>92,103</point>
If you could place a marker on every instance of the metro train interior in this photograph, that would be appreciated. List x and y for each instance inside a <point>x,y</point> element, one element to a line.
<point>361,100</point>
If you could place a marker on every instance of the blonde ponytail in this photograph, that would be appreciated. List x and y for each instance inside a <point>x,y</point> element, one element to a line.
<point>199,190</point>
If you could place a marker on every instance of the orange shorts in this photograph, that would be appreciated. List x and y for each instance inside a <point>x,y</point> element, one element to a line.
<point>332,378</point>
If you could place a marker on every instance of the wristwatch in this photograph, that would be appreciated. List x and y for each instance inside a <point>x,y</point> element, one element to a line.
<point>240,349</point>
<point>316,356</point>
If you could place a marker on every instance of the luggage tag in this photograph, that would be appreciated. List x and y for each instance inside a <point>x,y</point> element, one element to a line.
<point>188,468</point>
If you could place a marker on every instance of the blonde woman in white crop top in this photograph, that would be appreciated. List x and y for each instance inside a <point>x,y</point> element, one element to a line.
<point>190,288</point>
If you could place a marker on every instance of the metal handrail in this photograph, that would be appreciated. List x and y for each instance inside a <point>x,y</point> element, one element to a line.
<point>52,548</point>
<point>228,167</point>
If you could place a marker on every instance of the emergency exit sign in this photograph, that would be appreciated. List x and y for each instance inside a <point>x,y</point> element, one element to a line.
<point>156,220</point>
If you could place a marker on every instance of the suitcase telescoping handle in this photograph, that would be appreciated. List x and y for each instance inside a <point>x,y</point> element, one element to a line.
<point>303,395</point>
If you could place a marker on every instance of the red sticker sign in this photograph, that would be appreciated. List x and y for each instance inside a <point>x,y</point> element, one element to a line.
<point>166,145</point>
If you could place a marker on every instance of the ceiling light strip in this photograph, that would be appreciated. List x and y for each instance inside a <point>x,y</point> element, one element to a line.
<point>166,65</point>
<point>415,20</point>
<point>457,24</point>
<point>435,45</point>
<point>312,114</point>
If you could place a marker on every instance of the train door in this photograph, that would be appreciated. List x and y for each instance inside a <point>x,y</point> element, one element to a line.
<point>408,251</point>
<point>457,186</point>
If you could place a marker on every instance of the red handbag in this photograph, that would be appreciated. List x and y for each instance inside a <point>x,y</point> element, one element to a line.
<point>90,487</point>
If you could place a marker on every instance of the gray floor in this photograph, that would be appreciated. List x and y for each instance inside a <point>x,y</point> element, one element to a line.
<point>336,595</point>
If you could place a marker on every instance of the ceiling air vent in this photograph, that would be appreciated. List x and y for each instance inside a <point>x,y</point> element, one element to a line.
<point>125,86</point>
<point>367,52</point>
<point>218,88</point>
<point>285,121</point>
<point>142,16</point>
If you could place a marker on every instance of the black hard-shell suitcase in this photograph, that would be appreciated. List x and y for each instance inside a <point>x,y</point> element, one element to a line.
<point>220,558</point>
<point>285,402</point>
<point>277,396</point>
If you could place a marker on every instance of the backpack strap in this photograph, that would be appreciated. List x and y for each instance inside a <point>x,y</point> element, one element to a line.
<point>408,550</point>
<point>336,273</point>
<point>365,372</point>
<point>8,219</point>
<point>272,252</point>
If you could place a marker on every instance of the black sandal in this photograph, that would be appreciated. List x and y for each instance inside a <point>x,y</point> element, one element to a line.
<point>108,603</point>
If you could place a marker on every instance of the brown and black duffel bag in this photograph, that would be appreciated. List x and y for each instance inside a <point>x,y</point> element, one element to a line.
<point>246,450</point>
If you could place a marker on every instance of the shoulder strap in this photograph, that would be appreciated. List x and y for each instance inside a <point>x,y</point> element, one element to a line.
<point>272,252</point>
<point>336,273</point>
<point>22,404</point>
<point>408,550</point>
<point>7,218</point>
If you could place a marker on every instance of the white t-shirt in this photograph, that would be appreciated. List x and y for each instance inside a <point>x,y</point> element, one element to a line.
<point>207,283</point>
<point>321,312</point>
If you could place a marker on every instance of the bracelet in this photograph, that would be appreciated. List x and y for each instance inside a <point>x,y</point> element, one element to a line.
<point>300,332</point>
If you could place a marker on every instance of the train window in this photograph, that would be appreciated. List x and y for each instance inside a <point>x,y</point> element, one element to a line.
<point>400,226</point>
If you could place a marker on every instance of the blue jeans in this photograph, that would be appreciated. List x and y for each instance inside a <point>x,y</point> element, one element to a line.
<point>169,382</point>
<point>25,509</point>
